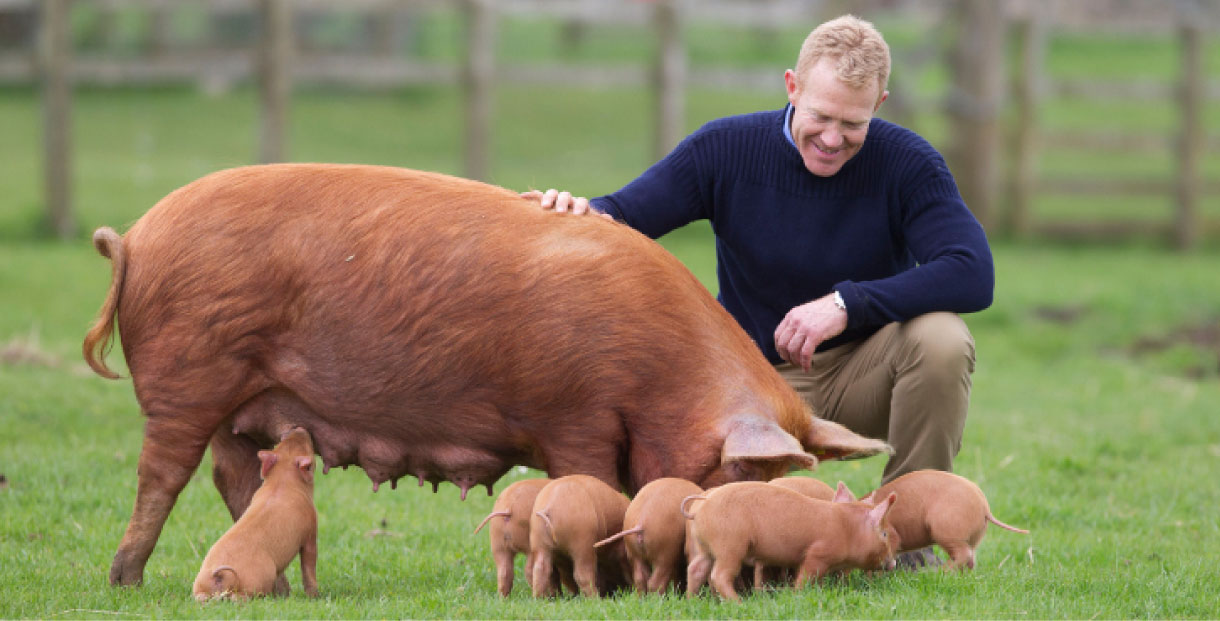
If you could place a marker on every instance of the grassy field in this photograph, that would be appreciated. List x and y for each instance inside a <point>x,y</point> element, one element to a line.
<point>1092,422</point>
<point>1105,453</point>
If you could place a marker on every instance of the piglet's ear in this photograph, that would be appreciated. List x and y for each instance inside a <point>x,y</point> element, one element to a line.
<point>842,494</point>
<point>755,438</point>
<point>877,514</point>
<point>268,458</point>
<point>305,467</point>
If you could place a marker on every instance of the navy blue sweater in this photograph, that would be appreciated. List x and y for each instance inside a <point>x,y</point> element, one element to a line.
<point>889,231</point>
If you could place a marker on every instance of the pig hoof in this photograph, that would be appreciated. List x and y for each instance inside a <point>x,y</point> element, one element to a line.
<point>121,575</point>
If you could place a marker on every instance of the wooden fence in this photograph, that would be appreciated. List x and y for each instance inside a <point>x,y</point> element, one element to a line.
<point>1031,25</point>
<point>982,145</point>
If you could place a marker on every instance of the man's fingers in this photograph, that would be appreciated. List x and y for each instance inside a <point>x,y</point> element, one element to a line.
<point>807,353</point>
<point>783,341</point>
<point>561,202</point>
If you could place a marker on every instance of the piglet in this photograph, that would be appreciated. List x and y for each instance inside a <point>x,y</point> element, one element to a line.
<point>813,488</point>
<point>279,523</point>
<point>511,535</point>
<point>655,533</point>
<point>940,508</point>
<point>570,515</point>
<point>808,486</point>
<point>761,523</point>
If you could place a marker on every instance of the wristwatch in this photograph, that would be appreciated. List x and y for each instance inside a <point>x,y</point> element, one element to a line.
<point>839,301</point>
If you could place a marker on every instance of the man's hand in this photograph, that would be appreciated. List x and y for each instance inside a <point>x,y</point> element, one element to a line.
<point>563,202</point>
<point>806,326</point>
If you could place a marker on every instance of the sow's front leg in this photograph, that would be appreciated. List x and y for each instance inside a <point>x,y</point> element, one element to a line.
<point>172,451</point>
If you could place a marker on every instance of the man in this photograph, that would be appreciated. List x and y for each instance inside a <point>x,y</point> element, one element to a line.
<point>845,259</point>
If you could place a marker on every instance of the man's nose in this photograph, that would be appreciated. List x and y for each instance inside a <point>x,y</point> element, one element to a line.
<point>832,137</point>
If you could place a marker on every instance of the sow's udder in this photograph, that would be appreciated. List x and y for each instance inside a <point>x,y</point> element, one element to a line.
<point>382,455</point>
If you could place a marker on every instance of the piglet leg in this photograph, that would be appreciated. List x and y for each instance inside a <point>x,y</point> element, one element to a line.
<point>723,575</point>
<point>663,572</point>
<point>639,574</point>
<point>504,569</point>
<point>961,554</point>
<point>697,573</point>
<point>812,569</point>
<point>543,584</point>
<point>584,571</point>
<point>309,564</point>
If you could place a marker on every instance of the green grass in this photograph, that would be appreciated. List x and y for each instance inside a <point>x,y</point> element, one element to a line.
<point>1105,450</point>
<point>1107,456</point>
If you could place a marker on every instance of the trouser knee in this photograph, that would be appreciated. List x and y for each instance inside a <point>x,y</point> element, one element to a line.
<point>940,344</point>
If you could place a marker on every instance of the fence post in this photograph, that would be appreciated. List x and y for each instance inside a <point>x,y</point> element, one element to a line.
<point>1031,32</point>
<point>275,79</point>
<point>478,86</point>
<point>1190,141</point>
<point>56,50</point>
<point>162,19</point>
<point>974,104</point>
<point>669,77</point>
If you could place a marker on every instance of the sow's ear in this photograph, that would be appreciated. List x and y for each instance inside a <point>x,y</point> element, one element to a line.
<point>755,438</point>
<point>827,441</point>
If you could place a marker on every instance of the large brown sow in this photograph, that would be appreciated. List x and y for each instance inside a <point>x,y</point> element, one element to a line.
<point>420,324</point>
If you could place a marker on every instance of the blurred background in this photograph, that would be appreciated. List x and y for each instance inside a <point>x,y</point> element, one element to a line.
<point>1085,119</point>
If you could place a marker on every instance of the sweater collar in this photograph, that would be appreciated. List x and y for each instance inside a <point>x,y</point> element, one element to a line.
<point>788,109</point>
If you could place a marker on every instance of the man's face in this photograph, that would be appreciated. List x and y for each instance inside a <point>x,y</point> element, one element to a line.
<point>830,119</point>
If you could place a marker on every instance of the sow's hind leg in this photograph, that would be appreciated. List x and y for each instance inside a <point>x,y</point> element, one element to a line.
<point>173,448</point>
<point>184,408</point>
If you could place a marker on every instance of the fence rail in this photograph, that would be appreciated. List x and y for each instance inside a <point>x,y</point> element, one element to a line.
<point>993,153</point>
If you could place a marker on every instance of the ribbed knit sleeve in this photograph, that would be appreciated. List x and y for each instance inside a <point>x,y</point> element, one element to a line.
<point>667,196</point>
<point>954,269</point>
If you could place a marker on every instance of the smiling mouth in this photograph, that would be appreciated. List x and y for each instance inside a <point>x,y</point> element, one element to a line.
<point>825,153</point>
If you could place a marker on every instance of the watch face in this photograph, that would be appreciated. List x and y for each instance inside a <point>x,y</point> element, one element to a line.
<point>839,301</point>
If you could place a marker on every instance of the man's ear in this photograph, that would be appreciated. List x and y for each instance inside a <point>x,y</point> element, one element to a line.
<point>756,438</point>
<point>268,458</point>
<point>884,95</point>
<point>827,440</point>
<point>792,86</point>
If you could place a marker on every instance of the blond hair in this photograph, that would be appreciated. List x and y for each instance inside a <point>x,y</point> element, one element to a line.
<point>860,51</point>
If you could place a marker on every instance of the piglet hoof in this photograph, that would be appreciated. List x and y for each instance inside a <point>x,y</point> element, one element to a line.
<point>281,588</point>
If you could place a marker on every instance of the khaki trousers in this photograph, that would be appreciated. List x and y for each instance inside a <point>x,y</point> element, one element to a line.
<point>908,384</point>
